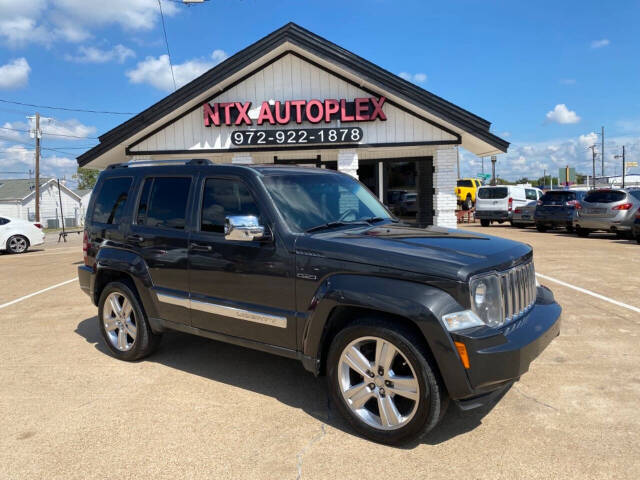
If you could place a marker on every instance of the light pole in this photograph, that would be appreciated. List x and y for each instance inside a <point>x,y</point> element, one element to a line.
<point>493,169</point>
<point>624,166</point>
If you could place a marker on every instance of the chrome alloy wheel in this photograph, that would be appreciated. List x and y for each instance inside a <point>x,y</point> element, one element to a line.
<point>17,244</point>
<point>378,383</point>
<point>119,321</point>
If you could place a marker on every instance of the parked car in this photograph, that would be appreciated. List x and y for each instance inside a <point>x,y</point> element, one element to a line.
<point>523,216</point>
<point>409,204</point>
<point>496,203</point>
<point>393,199</point>
<point>16,235</point>
<point>611,210</point>
<point>557,209</point>
<point>466,189</point>
<point>308,264</point>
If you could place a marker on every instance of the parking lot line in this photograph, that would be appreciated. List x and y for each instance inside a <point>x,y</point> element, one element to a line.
<point>37,293</point>
<point>589,292</point>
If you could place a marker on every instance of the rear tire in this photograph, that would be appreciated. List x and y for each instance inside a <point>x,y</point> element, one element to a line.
<point>123,323</point>
<point>484,222</point>
<point>582,232</point>
<point>384,416</point>
<point>17,244</point>
<point>467,204</point>
<point>570,228</point>
<point>541,228</point>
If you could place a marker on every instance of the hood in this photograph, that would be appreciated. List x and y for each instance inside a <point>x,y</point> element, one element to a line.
<point>433,251</point>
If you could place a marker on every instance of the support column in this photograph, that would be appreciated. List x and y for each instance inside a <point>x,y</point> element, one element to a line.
<point>348,162</point>
<point>444,182</point>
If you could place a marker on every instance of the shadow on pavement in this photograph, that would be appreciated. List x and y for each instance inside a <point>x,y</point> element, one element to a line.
<point>278,377</point>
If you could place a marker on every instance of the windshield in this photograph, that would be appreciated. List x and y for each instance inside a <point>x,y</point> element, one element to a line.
<point>309,200</point>
<point>492,192</point>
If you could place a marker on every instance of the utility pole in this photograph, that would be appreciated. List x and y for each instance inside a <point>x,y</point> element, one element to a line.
<point>482,165</point>
<point>544,178</point>
<point>593,155</point>
<point>602,149</point>
<point>37,135</point>
<point>64,235</point>
<point>624,165</point>
<point>493,169</point>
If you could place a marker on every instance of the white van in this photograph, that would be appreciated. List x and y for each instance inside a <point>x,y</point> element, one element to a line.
<point>498,203</point>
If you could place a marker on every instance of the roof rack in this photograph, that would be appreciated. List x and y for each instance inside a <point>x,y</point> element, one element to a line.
<point>146,163</point>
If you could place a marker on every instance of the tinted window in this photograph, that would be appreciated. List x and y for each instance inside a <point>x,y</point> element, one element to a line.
<point>493,192</point>
<point>4,221</point>
<point>465,183</point>
<point>635,193</point>
<point>111,200</point>
<point>558,197</point>
<point>531,194</point>
<point>605,196</point>
<point>223,198</point>
<point>163,202</point>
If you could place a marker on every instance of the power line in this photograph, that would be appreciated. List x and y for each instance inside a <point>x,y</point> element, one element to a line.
<point>66,109</point>
<point>166,41</point>
<point>48,133</point>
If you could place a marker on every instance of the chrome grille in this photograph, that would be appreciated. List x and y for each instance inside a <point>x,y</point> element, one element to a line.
<point>518,290</point>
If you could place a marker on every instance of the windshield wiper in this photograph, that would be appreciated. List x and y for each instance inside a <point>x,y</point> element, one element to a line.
<point>377,219</point>
<point>338,223</point>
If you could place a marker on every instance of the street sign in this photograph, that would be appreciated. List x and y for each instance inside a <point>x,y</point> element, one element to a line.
<point>562,175</point>
<point>632,164</point>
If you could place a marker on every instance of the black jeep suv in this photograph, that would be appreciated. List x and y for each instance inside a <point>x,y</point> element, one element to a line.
<point>306,263</point>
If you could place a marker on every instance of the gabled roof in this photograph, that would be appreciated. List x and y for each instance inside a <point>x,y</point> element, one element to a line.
<point>83,192</point>
<point>19,188</point>
<point>316,45</point>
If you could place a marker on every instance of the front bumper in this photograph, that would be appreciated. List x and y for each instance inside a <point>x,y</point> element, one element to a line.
<point>492,215</point>
<point>498,358</point>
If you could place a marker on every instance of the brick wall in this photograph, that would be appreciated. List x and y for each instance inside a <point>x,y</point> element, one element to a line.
<point>444,182</point>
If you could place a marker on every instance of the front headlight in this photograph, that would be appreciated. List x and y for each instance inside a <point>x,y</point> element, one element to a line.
<point>486,299</point>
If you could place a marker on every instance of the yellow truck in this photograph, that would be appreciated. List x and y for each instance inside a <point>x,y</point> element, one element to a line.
<point>466,190</point>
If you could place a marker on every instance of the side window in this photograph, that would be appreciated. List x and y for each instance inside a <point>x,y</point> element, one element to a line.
<point>222,198</point>
<point>163,203</point>
<point>111,200</point>
<point>3,221</point>
<point>531,194</point>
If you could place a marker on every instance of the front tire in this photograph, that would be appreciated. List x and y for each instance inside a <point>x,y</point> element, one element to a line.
<point>582,232</point>
<point>17,244</point>
<point>484,222</point>
<point>541,228</point>
<point>382,382</point>
<point>123,323</point>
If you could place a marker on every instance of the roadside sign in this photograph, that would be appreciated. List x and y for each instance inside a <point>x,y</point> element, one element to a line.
<point>632,164</point>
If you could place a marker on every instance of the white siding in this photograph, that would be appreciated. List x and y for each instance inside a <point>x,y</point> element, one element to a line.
<point>289,78</point>
<point>50,205</point>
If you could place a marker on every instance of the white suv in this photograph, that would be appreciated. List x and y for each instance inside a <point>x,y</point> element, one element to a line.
<point>497,203</point>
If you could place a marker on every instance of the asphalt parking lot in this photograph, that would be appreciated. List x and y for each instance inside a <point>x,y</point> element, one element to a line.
<point>203,409</point>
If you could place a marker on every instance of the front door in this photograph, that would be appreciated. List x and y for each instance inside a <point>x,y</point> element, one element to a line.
<point>238,288</point>
<point>159,235</point>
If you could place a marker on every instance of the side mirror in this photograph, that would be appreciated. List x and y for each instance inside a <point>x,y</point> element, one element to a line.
<point>244,228</point>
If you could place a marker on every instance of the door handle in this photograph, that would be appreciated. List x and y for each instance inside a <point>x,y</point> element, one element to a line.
<point>200,248</point>
<point>135,238</point>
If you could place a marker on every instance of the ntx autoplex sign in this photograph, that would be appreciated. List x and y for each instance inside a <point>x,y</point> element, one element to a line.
<point>298,111</point>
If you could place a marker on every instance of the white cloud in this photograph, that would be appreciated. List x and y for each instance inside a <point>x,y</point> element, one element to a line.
<point>14,74</point>
<point>530,159</point>
<point>119,53</point>
<point>47,21</point>
<point>69,130</point>
<point>21,158</point>
<point>157,71</point>
<point>413,77</point>
<point>561,114</point>
<point>603,42</point>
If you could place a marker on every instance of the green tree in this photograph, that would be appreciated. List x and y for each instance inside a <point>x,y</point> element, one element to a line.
<point>86,178</point>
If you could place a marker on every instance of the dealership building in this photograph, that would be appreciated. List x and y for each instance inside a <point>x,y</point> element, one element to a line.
<point>296,98</point>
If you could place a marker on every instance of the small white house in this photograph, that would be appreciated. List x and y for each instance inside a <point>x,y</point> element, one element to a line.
<point>85,196</point>
<point>18,200</point>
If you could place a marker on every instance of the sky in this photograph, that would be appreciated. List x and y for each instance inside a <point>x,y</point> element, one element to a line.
<point>547,75</point>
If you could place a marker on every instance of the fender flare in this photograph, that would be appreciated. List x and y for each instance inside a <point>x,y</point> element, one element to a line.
<point>421,304</point>
<point>112,259</point>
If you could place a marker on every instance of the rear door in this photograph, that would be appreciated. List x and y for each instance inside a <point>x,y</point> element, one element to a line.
<point>493,199</point>
<point>159,234</point>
